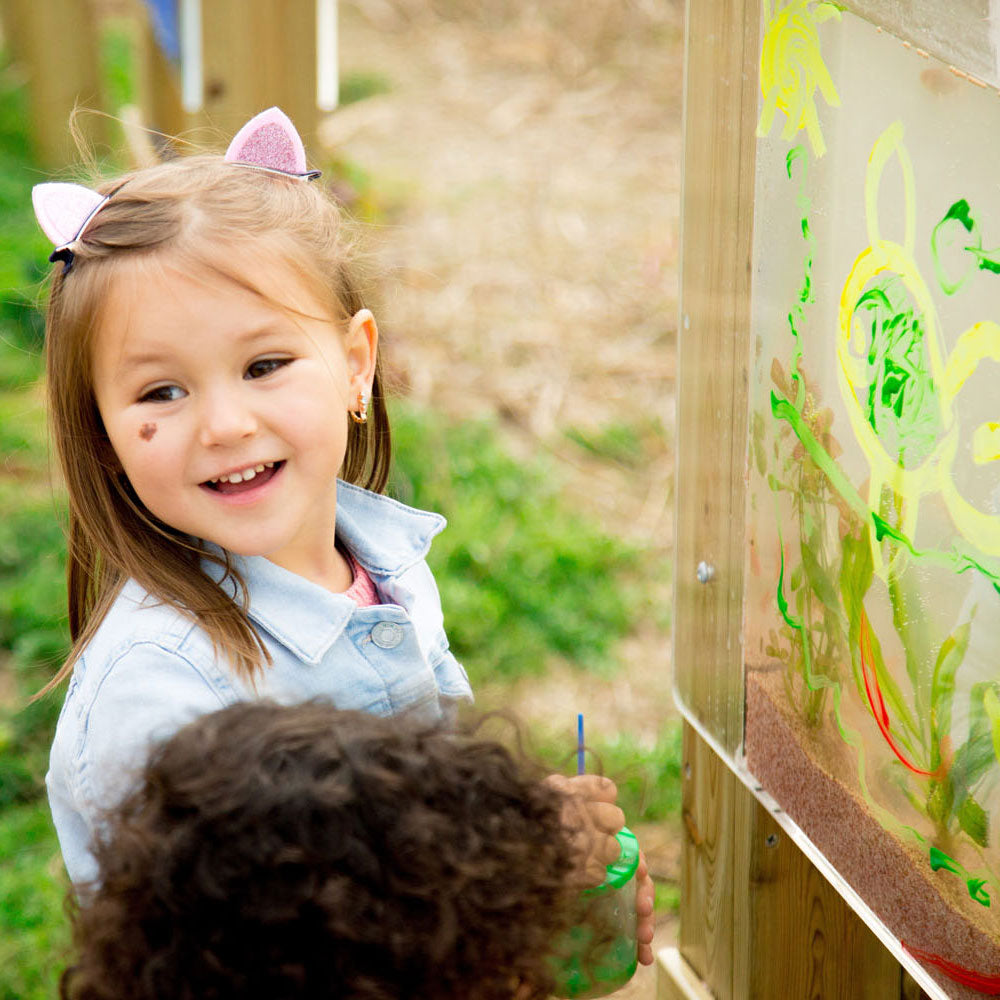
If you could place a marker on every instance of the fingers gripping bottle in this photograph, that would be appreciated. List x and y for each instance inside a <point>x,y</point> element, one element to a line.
<point>599,953</point>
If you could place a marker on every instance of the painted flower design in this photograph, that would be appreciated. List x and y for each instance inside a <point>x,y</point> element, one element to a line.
<point>792,69</point>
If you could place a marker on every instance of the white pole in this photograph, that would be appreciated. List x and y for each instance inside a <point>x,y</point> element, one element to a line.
<point>327,68</point>
<point>192,67</point>
<point>994,19</point>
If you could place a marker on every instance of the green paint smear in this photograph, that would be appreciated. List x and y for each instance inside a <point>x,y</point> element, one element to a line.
<point>977,891</point>
<point>783,410</point>
<point>984,260</point>
<point>958,560</point>
<point>988,260</point>
<point>975,885</point>
<point>941,860</point>
<point>816,683</point>
<point>812,681</point>
<point>902,405</point>
<point>798,155</point>
<point>960,212</point>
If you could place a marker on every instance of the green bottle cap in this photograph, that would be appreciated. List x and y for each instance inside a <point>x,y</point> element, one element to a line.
<point>620,871</point>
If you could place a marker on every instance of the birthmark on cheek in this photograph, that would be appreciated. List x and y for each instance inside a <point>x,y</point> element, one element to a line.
<point>147,431</point>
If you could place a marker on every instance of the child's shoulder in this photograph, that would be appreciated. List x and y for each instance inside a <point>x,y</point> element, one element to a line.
<point>147,661</point>
<point>139,628</point>
<point>137,616</point>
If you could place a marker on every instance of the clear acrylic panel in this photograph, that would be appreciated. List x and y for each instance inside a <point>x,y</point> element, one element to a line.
<point>873,602</point>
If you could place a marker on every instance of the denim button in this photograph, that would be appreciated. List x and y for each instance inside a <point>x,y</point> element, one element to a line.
<point>387,635</point>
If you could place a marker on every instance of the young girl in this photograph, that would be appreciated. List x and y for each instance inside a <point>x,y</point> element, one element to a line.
<point>327,854</point>
<point>211,369</point>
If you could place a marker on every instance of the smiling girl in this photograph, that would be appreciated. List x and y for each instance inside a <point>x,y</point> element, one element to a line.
<point>212,371</point>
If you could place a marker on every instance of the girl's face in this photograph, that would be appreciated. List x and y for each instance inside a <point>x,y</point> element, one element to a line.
<point>229,414</point>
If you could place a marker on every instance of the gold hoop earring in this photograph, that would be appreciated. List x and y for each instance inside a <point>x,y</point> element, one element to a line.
<point>360,415</point>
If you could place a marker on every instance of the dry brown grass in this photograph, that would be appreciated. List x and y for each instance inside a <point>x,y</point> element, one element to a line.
<point>529,153</point>
<point>530,267</point>
<point>532,270</point>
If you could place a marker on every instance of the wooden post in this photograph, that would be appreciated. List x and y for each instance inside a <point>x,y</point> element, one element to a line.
<point>757,920</point>
<point>55,44</point>
<point>258,53</point>
<point>156,77</point>
<point>720,112</point>
<point>253,54</point>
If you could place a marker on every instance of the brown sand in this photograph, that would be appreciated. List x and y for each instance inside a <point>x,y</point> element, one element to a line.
<point>805,770</point>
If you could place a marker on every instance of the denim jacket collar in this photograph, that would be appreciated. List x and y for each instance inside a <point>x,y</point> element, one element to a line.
<point>385,536</point>
<point>401,537</point>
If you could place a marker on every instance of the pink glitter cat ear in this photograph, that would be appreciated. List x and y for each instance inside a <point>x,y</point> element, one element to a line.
<point>269,142</point>
<point>64,211</point>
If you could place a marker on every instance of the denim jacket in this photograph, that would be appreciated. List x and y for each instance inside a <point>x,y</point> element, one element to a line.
<point>150,669</point>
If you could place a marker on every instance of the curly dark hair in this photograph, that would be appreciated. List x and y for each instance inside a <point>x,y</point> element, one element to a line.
<point>291,852</point>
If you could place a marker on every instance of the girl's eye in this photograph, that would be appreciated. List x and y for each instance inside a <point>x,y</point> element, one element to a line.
<point>162,394</point>
<point>264,367</point>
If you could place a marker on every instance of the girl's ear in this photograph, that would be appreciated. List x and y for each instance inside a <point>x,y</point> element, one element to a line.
<point>361,347</point>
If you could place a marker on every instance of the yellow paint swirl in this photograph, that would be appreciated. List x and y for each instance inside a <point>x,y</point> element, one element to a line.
<point>934,474</point>
<point>792,68</point>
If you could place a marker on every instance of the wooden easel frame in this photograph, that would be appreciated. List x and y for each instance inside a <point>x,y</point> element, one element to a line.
<point>758,919</point>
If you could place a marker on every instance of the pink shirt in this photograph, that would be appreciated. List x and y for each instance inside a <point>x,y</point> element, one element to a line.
<point>362,591</point>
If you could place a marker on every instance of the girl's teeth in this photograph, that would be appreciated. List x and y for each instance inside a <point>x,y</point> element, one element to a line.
<point>246,474</point>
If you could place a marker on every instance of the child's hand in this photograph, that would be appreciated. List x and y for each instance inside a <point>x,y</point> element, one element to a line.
<point>644,893</point>
<point>593,819</point>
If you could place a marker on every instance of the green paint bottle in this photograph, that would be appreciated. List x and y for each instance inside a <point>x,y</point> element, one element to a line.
<point>599,953</point>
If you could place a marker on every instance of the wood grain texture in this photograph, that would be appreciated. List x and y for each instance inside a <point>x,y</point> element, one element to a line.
<point>708,864</point>
<point>720,113</point>
<point>157,80</point>
<point>258,53</point>
<point>758,920</point>
<point>676,980</point>
<point>55,44</point>
<point>808,941</point>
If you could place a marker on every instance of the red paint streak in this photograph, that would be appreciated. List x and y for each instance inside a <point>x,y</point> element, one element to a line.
<point>879,711</point>
<point>988,985</point>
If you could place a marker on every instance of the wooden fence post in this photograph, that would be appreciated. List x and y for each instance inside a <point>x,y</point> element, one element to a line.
<point>258,53</point>
<point>56,45</point>
<point>758,921</point>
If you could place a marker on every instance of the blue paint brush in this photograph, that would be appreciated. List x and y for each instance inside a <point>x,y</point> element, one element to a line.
<point>580,766</point>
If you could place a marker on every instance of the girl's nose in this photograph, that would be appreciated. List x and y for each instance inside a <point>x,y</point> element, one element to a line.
<point>226,418</point>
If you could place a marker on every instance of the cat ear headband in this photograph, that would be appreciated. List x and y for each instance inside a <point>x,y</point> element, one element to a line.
<point>268,142</point>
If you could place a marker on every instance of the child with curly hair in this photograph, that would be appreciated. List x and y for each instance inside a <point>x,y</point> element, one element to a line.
<point>327,853</point>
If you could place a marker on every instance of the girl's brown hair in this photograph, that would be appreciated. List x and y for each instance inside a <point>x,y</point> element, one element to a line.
<point>209,217</point>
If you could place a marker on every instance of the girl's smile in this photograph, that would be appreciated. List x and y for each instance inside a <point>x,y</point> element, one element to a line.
<point>245,486</point>
<point>228,412</point>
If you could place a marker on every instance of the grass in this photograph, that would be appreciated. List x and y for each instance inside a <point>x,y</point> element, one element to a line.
<point>34,934</point>
<point>522,576</point>
<point>625,444</point>
<point>648,777</point>
<point>357,86</point>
